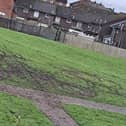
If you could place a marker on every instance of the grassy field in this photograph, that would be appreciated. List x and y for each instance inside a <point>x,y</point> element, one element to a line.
<point>37,63</point>
<point>91,117</point>
<point>20,112</point>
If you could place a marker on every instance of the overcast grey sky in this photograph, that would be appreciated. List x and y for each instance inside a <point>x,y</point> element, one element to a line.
<point>119,5</point>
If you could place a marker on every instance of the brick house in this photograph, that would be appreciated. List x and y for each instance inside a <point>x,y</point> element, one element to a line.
<point>76,20</point>
<point>6,7</point>
<point>41,12</point>
<point>87,17</point>
<point>93,15</point>
<point>44,13</point>
<point>63,17</point>
<point>114,33</point>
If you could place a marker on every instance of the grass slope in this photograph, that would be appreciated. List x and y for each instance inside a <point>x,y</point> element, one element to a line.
<point>91,117</point>
<point>67,70</point>
<point>20,112</point>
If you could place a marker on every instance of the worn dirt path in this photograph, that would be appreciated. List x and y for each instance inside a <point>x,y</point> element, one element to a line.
<point>50,104</point>
<point>91,104</point>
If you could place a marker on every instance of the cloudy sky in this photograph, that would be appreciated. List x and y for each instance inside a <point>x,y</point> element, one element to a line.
<point>119,5</point>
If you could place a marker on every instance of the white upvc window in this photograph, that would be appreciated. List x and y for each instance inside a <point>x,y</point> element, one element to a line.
<point>57,20</point>
<point>25,10</point>
<point>68,21</point>
<point>79,25</point>
<point>42,24</point>
<point>47,16</point>
<point>36,14</point>
<point>2,13</point>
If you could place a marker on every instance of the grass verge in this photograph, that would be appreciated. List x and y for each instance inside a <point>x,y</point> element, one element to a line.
<point>91,117</point>
<point>61,69</point>
<point>20,112</point>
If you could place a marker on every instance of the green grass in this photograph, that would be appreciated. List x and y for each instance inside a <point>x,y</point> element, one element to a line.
<point>75,72</point>
<point>91,117</point>
<point>20,112</point>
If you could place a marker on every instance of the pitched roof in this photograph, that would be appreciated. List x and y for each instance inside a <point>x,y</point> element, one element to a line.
<point>37,5</point>
<point>87,17</point>
<point>62,1</point>
<point>117,21</point>
<point>23,3</point>
<point>45,7</point>
<point>64,12</point>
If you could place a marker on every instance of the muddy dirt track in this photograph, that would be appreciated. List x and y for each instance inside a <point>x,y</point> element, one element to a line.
<point>51,104</point>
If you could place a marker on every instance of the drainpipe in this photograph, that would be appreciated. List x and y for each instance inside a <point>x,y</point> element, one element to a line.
<point>12,7</point>
<point>121,35</point>
<point>113,35</point>
<point>11,16</point>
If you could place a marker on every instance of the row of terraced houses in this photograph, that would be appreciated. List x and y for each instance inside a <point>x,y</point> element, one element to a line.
<point>83,16</point>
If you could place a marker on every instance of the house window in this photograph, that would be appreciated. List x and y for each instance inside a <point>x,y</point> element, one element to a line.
<point>89,28</point>
<point>73,17</point>
<point>68,21</point>
<point>36,14</point>
<point>51,1</point>
<point>2,14</point>
<point>30,6</point>
<point>25,10</point>
<point>46,16</point>
<point>107,40</point>
<point>97,20</point>
<point>79,25</point>
<point>101,20</point>
<point>57,20</point>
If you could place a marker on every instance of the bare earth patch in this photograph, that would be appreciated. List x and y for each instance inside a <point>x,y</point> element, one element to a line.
<point>15,71</point>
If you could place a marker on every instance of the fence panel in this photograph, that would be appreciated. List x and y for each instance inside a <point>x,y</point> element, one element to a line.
<point>85,43</point>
